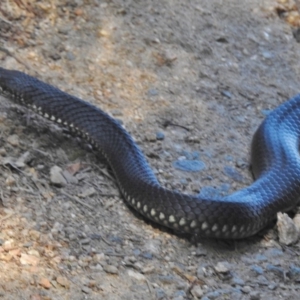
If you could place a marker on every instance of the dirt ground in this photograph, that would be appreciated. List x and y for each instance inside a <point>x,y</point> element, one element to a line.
<point>191,80</point>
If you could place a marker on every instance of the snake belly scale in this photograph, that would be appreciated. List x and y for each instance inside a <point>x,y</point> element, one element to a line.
<point>274,154</point>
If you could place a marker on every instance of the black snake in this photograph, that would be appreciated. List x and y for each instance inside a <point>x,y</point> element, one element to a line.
<point>275,163</point>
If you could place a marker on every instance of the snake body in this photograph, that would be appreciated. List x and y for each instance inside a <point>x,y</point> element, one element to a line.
<point>275,163</point>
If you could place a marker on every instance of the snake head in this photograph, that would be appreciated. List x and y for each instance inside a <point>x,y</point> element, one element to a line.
<point>9,79</point>
<point>14,84</point>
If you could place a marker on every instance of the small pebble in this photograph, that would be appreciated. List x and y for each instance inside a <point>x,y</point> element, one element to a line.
<point>136,275</point>
<point>63,281</point>
<point>272,286</point>
<point>147,255</point>
<point>232,173</point>
<point>152,92</point>
<point>45,283</point>
<point>148,269</point>
<point>69,178</point>
<point>227,94</point>
<point>30,260</point>
<point>267,54</point>
<point>262,280</point>
<point>55,56</point>
<point>110,269</point>
<point>257,269</point>
<point>34,252</point>
<point>103,33</point>
<point>255,295</point>
<point>10,181</point>
<point>2,151</point>
<point>13,140</point>
<point>153,247</point>
<point>222,267</point>
<point>56,176</point>
<point>85,241</point>
<point>197,292</point>
<point>237,281</point>
<point>193,139</point>
<point>150,137</point>
<point>23,159</point>
<point>160,136</point>
<point>88,192</point>
<point>189,165</point>
<point>287,230</point>
<point>86,290</point>
<point>246,289</point>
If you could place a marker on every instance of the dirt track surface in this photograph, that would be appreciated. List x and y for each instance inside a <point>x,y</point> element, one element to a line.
<point>191,80</point>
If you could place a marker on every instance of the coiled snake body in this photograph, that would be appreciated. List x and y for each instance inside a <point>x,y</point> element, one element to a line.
<point>275,163</point>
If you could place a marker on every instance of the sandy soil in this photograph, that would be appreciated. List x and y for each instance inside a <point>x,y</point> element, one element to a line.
<point>191,80</point>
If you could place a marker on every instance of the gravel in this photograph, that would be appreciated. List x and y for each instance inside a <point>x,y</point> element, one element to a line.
<point>189,80</point>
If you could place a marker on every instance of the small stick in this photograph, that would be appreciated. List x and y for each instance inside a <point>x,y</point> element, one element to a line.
<point>77,200</point>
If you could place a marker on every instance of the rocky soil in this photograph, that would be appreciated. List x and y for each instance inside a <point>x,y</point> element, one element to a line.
<point>191,80</point>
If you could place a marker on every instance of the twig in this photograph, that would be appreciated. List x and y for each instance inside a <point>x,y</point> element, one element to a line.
<point>42,152</point>
<point>5,21</point>
<point>150,289</point>
<point>105,173</point>
<point>34,180</point>
<point>167,123</point>
<point>77,200</point>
